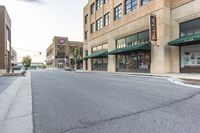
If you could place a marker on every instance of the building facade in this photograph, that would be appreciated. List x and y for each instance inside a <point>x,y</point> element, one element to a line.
<point>117,36</point>
<point>5,41</point>
<point>60,53</point>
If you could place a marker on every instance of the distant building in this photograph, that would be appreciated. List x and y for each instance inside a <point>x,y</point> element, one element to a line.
<point>119,36</point>
<point>5,41</point>
<point>60,53</point>
<point>13,57</point>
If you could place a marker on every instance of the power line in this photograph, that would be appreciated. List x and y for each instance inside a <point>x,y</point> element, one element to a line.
<point>28,50</point>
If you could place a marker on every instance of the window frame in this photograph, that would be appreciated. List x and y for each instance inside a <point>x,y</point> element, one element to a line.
<point>106,19</point>
<point>118,12</point>
<point>133,5</point>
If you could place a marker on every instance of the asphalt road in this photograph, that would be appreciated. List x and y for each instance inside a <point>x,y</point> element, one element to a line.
<point>5,82</point>
<point>68,102</point>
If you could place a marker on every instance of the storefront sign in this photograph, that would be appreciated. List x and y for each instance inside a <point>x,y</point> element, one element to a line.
<point>153,28</point>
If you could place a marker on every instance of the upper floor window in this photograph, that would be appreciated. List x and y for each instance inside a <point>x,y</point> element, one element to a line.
<point>99,4</point>
<point>105,1</point>
<point>144,2</point>
<point>118,12</point>
<point>86,19</point>
<point>92,8</point>
<point>92,28</point>
<point>86,33</point>
<point>106,19</point>
<point>99,24</point>
<point>130,5</point>
<point>190,28</point>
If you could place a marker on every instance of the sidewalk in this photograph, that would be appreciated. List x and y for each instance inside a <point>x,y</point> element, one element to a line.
<point>16,107</point>
<point>188,78</point>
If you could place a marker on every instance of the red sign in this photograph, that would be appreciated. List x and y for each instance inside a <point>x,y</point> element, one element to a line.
<point>153,28</point>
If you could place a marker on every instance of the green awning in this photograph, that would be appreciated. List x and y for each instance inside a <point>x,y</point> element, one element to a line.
<point>185,40</point>
<point>84,58</point>
<point>146,46</point>
<point>99,54</point>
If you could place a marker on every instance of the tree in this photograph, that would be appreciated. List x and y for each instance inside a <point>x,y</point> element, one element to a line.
<point>44,66</point>
<point>76,56</point>
<point>26,61</point>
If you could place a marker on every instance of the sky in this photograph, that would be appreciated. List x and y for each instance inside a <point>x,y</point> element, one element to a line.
<point>36,22</point>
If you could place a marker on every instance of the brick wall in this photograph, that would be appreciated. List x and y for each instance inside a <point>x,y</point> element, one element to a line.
<point>2,38</point>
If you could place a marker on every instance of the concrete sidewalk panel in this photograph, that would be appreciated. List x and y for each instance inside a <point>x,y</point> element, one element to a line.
<point>16,107</point>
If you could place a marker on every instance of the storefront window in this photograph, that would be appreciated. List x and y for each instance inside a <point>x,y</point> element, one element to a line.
<point>190,28</point>
<point>137,61</point>
<point>143,37</point>
<point>190,56</point>
<point>136,39</point>
<point>132,40</point>
<point>121,43</point>
<point>99,64</point>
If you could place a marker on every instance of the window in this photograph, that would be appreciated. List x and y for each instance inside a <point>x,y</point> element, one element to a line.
<point>99,4</point>
<point>106,19</point>
<point>99,24</point>
<point>144,2</point>
<point>121,43</point>
<point>86,34</point>
<point>143,37</point>
<point>132,40</point>
<point>8,37</point>
<point>60,55</point>
<point>118,12</point>
<point>99,48</point>
<point>135,39</point>
<point>105,1</point>
<point>190,28</point>
<point>92,9</point>
<point>86,18</point>
<point>130,5</point>
<point>135,61</point>
<point>92,28</point>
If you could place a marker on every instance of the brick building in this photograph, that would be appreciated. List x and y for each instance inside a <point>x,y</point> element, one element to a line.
<point>60,53</point>
<point>5,41</point>
<point>117,36</point>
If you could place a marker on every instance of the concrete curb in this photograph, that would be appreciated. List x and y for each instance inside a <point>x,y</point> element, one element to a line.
<point>16,107</point>
<point>176,80</point>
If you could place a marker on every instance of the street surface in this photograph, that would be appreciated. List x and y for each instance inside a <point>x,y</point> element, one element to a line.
<point>5,82</point>
<point>69,102</point>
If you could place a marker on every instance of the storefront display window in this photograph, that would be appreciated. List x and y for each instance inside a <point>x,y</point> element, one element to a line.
<point>137,61</point>
<point>99,64</point>
<point>190,53</point>
<point>190,56</point>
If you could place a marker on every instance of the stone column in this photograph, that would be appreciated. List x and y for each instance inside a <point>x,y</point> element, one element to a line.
<point>160,55</point>
<point>111,58</point>
<point>89,60</point>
